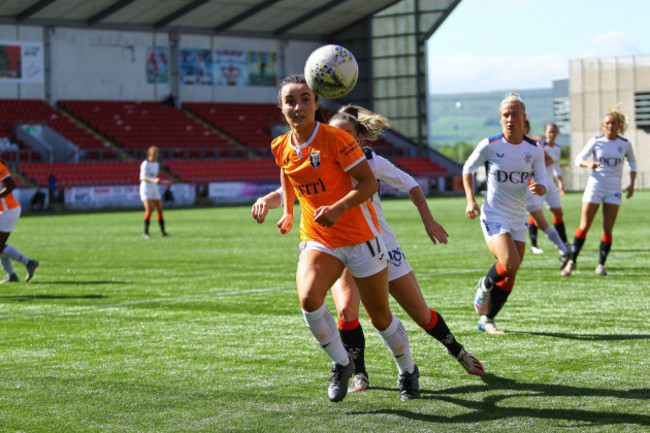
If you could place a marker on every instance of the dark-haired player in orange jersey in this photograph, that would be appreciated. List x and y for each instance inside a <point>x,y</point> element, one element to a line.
<point>327,170</point>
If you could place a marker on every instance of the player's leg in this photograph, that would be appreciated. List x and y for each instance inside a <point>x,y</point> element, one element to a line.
<point>551,233</point>
<point>587,215</point>
<point>148,209</point>
<point>8,220</point>
<point>558,223</point>
<point>610,212</point>
<point>406,291</point>
<point>159,214</point>
<point>495,287</point>
<point>6,261</point>
<point>554,204</point>
<point>317,271</point>
<point>534,203</point>
<point>347,301</point>
<point>374,295</point>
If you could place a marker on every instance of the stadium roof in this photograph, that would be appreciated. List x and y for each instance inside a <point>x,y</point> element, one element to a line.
<point>291,19</point>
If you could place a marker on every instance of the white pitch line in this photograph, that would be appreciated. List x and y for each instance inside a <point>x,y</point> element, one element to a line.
<point>241,292</point>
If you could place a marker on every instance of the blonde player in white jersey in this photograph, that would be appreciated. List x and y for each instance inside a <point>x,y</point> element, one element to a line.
<point>364,125</point>
<point>149,193</point>
<point>604,155</point>
<point>509,158</point>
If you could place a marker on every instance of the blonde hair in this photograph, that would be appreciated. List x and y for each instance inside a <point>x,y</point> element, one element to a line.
<point>513,97</point>
<point>368,124</point>
<point>619,116</point>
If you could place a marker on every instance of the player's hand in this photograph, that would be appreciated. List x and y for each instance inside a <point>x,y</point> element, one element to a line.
<point>594,165</point>
<point>327,216</point>
<point>166,181</point>
<point>472,210</point>
<point>629,191</point>
<point>284,224</point>
<point>259,210</point>
<point>537,188</point>
<point>436,232</point>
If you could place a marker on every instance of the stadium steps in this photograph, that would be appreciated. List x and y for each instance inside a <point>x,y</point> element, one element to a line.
<point>249,153</point>
<point>122,154</point>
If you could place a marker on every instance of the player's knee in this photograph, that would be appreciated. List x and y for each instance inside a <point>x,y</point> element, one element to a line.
<point>511,266</point>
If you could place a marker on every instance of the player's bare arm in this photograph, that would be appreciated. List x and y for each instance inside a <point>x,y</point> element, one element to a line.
<point>365,188</point>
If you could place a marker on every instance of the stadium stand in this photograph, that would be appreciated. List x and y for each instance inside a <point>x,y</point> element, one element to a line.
<point>84,173</point>
<point>14,111</point>
<point>200,171</point>
<point>250,124</point>
<point>420,166</point>
<point>138,125</point>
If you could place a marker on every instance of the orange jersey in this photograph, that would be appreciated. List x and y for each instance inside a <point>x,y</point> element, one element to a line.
<point>318,172</point>
<point>7,202</point>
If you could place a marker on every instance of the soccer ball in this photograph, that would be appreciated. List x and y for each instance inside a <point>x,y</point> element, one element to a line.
<point>331,71</point>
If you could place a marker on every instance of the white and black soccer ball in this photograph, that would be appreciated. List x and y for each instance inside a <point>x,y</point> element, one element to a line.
<point>331,71</point>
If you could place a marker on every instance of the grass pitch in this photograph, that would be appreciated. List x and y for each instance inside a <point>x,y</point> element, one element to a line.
<point>202,331</point>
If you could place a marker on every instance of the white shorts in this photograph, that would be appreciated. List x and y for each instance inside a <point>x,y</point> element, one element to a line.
<point>534,202</point>
<point>363,260</point>
<point>8,219</point>
<point>552,197</point>
<point>600,194</point>
<point>398,266</point>
<point>495,227</point>
<point>149,191</point>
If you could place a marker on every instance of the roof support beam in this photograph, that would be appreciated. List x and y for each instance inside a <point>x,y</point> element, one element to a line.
<point>306,17</point>
<point>246,14</point>
<point>179,13</point>
<point>33,9</point>
<point>108,11</point>
<point>440,20</point>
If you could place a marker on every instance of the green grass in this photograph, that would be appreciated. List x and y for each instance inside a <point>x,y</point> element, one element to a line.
<point>202,331</point>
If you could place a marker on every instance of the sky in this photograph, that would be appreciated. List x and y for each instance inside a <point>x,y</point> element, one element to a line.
<point>488,45</point>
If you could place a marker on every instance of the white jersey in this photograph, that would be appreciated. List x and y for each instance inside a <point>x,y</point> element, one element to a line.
<point>610,154</point>
<point>386,171</point>
<point>554,169</point>
<point>508,169</point>
<point>149,190</point>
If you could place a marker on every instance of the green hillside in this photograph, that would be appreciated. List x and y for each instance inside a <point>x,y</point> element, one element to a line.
<point>479,116</point>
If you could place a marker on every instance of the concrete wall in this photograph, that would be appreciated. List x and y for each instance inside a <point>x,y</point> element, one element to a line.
<point>599,84</point>
<point>110,65</point>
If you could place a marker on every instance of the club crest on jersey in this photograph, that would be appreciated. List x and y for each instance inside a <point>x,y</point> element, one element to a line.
<point>528,157</point>
<point>314,159</point>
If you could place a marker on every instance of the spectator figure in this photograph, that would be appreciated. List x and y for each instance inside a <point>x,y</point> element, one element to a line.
<point>38,200</point>
<point>52,188</point>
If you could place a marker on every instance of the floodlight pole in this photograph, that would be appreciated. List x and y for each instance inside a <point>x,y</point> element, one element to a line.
<point>459,106</point>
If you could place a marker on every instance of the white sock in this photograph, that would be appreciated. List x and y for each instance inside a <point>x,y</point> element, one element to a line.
<point>397,341</point>
<point>323,328</point>
<point>6,264</point>
<point>15,254</point>
<point>554,237</point>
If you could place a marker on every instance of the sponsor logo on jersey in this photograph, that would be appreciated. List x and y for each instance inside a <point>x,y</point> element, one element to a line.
<point>500,155</point>
<point>314,159</point>
<point>610,162</point>
<point>515,177</point>
<point>311,188</point>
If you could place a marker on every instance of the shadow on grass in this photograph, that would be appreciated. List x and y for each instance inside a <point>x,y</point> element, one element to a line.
<point>503,406</point>
<point>81,283</point>
<point>25,298</point>
<point>586,337</point>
